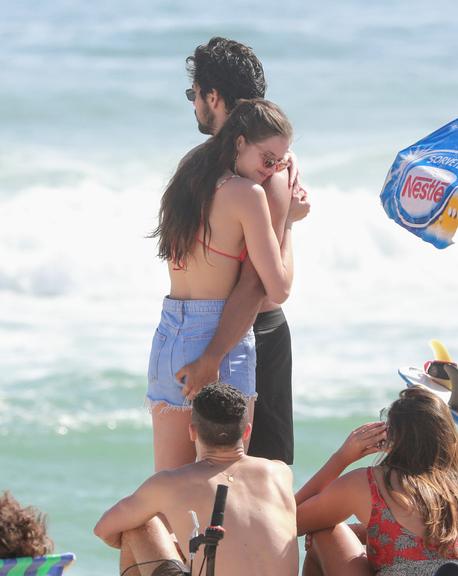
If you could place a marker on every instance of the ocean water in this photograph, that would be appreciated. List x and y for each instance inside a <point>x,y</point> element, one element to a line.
<point>93,122</point>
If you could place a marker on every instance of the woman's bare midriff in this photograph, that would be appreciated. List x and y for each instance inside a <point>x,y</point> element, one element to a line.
<point>204,280</point>
<point>214,280</point>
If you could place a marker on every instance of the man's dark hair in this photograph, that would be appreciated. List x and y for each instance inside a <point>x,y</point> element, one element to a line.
<point>230,68</point>
<point>220,415</point>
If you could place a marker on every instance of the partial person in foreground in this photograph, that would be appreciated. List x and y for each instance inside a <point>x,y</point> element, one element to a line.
<point>223,71</point>
<point>25,547</point>
<point>260,519</point>
<point>213,213</point>
<point>408,504</point>
<point>23,530</point>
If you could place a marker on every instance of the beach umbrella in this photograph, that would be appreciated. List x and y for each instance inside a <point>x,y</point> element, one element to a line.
<point>421,189</point>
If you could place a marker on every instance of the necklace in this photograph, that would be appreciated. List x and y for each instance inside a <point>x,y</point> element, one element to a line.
<point>230,477</point>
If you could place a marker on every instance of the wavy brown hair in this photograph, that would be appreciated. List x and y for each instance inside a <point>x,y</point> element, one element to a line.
<point>22,530</point>
<point>187,200</point>
<point>422,444</point>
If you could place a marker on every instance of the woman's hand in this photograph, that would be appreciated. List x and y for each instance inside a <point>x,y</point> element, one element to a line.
<point>367,439</point>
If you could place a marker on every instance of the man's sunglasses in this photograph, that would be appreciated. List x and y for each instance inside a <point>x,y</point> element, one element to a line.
<point>435,368</point>
<point>190,94</point>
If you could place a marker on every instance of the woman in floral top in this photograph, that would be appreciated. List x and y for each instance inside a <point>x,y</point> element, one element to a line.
<point>407,505</point>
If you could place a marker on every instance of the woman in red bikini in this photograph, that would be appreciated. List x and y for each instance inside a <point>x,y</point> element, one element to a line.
<point>213,213</point>
<point>407,505</point>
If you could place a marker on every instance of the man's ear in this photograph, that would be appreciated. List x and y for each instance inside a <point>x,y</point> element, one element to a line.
<point>247,432</point>
<point>215,100</point>
<point>192,432</point>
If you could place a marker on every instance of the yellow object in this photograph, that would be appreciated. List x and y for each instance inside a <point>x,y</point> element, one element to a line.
<point>440,351</point>
<point>445,226</point>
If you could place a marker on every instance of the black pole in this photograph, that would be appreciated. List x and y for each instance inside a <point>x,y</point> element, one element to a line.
<point>215,532</point>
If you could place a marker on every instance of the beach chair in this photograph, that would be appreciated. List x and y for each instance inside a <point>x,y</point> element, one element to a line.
<point>50,565</point>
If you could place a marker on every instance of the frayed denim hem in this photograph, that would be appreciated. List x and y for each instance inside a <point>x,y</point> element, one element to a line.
<point>187,404</point>
<point>166,406</point>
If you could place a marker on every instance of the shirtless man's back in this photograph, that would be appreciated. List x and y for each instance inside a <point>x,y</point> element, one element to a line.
<point>259,518</point>
<point>260,514</point>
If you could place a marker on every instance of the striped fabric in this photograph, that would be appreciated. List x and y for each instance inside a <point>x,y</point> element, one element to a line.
<point>50,565</point>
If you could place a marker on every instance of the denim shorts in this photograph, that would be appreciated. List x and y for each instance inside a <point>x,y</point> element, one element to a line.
<point>185,330</point>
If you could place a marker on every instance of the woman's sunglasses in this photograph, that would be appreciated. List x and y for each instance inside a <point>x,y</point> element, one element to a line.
<point>269,162</point>
<point>435,369</point>
<point>190,94</point>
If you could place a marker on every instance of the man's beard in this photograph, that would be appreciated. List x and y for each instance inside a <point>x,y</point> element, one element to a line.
<point>207,124</point>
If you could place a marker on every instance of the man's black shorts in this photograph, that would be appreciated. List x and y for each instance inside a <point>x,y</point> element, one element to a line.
<point>272,435</point>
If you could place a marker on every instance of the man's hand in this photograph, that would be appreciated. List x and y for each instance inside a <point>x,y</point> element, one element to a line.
<point>367,439</point>
<point>299,206</point>
<point>198,374</point>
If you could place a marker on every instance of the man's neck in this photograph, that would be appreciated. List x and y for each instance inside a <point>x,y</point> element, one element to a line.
<point>216,454</point>
<point>220,120</point>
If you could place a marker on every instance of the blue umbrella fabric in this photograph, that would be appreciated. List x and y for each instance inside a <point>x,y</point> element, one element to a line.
<point>421,189</point>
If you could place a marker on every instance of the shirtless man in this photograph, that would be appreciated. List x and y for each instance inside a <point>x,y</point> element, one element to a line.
<point>260,513</point>
<point>223,71</point>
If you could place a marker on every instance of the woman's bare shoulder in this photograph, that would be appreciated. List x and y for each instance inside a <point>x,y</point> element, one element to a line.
<point>355,479</point>
<point>357,474</point>
<point>240,190</point>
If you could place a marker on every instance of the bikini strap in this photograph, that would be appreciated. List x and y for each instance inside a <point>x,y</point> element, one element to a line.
<point>224,180</point>
<point>377,500</point>
<point>371,480</point>
<point>240,257</point>
<point>243,254</point>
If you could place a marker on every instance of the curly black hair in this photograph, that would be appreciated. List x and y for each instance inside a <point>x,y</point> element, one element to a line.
<point>22,530</point>
<point>229,67</point>
<point>220,414</point>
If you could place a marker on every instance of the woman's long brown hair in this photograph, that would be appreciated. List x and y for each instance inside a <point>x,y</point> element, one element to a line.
<point>422,445</point>
<point>187,200</point>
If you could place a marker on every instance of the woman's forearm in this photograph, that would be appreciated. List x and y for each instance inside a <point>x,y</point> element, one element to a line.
<point>364,440</point>
<point>286,250</point>
<point>327,473</point>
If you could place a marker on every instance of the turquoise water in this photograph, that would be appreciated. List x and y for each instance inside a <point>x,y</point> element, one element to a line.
<point>94,120</point>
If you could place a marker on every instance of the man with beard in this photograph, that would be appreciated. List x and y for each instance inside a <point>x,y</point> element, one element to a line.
<point>222,72</point>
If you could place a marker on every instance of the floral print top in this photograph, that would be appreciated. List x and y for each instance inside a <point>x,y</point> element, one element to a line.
<point>388,542</point>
